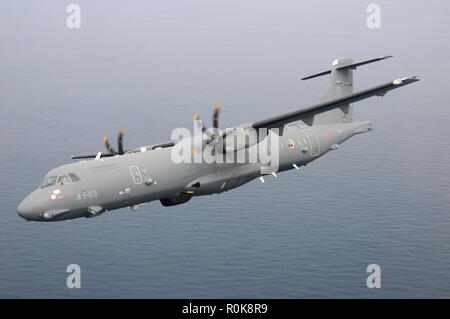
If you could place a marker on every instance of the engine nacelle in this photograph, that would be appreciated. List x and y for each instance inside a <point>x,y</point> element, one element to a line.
<point>240,137</point>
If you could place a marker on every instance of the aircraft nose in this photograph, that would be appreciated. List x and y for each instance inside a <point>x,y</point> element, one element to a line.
<point>22,210</point>
<point>26,209</point>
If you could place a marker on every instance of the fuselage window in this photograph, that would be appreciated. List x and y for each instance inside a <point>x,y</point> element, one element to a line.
<point>63,179</point>
<point>49,180</point>
<point>74,177</point>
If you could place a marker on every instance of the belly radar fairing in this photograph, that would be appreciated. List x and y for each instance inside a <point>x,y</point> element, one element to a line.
<point>128,177</point>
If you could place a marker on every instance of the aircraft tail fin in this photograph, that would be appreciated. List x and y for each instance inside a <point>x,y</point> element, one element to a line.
<point>340,85</point>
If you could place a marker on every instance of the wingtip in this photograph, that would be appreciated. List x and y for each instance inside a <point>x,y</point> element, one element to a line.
<point>406,80</point>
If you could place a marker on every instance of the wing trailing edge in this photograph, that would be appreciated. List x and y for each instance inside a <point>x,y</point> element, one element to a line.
<point>379,90</point>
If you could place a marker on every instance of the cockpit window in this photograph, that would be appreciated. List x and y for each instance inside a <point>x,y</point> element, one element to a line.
<point>49,180</point>
<point>63,179</point>
<point>74,177</point>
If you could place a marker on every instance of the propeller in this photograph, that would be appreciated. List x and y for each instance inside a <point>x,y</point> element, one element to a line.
<point>217,109</point>
<point>216,116</point>
<point>196,118</point>
<point>214,134</point>
<point>119,144</point>
<point>121,150</point>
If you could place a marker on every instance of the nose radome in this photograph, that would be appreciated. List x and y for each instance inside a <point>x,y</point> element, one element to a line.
<point>27,208</point>
<point>24,210</point>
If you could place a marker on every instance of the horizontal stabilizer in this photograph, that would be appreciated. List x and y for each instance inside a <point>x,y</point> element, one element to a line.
<point>352,66</point>
<point>380,90</point>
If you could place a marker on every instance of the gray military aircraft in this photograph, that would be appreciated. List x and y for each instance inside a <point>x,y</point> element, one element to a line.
<point>127,178</point>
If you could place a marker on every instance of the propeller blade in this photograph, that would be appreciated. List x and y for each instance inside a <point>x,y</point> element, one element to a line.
<point>119,141</point>
<point>196,118</point>
<point>211,133</point>
<point>108,146</point>
<point>216,116</point>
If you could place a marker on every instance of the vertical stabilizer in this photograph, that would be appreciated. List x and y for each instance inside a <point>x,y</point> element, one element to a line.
<point>340,84</point>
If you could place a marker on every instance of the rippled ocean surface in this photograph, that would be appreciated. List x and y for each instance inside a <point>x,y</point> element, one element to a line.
<point>382,198</point>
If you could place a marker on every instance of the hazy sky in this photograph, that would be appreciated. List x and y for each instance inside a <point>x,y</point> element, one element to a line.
<point>164,60</point>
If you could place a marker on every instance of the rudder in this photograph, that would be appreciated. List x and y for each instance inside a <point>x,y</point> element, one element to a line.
<point>340,84</point>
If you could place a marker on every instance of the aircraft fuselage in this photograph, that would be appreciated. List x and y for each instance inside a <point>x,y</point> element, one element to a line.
<point>128,180</point>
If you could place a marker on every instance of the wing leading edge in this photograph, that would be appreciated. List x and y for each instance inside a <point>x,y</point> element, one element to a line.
<point>308,112</point>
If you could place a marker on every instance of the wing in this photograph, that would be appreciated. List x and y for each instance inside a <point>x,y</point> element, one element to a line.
<point>133,150</point>
<point>92,155</point>
<point>307,113</point>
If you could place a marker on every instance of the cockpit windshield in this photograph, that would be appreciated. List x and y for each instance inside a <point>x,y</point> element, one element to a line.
<point>48,180</point>
<point>63,179</point>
